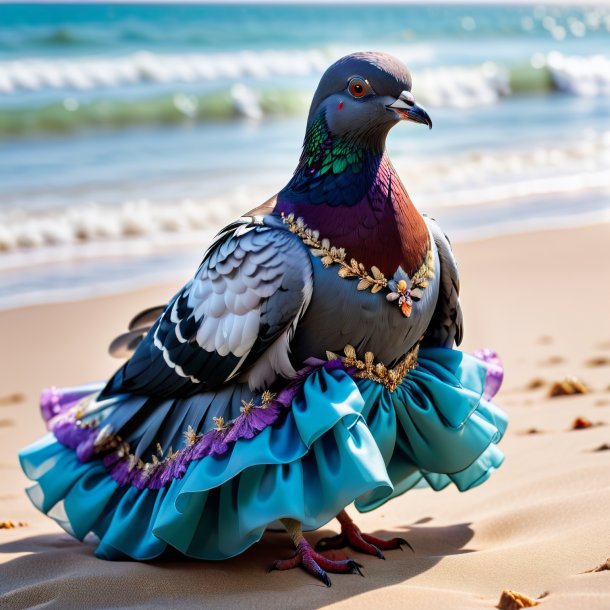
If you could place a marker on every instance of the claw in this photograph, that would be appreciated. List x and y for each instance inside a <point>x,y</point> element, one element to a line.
<point>402,541</point>
<point>317,565</point>
<point>356,568</point>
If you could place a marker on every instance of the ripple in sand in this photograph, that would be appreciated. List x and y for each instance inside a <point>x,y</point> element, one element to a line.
<point>553,361</point>
<point>533,431</point>
<point>11,399</point>
<point>601,568</point>
<point>536,383</point>
<point>598,361</point>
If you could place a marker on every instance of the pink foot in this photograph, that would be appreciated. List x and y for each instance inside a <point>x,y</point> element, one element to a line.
<point>365,543</point>
<point>317,565</point>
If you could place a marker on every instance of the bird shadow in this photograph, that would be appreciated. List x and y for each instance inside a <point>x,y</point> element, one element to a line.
<point>57,569</point>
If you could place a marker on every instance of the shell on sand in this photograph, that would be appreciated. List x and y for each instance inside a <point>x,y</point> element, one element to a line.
<point>568,387</point>
<point>580,423</point>
<point>511,600</point>
<point>9,525</point>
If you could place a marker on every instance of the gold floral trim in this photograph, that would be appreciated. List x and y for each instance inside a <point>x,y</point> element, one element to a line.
<point>367,369</point>
<point>373,280</point>
<point>329,255</point>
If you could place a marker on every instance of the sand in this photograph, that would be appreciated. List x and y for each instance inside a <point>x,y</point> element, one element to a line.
<point>538,526</point>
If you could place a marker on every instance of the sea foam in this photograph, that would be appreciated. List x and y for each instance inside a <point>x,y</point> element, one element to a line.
<point>469,179</point>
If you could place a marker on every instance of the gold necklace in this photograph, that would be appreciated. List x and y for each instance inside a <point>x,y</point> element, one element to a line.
<point>402,291</point>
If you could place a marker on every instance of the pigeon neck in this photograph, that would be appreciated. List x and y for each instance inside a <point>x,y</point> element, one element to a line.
<point>337,167</point>
<point>353,196</point>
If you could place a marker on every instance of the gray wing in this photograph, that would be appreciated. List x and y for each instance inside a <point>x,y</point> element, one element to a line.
<point>237,315</point>
<point>446,326</point>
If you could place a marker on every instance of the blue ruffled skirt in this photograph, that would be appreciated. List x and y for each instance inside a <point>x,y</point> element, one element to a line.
<point>343,439</point>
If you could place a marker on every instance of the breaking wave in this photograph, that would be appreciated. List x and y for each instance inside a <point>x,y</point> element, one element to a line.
<point>88,73</point>
<point>251,87</point>
<point>469,180</point>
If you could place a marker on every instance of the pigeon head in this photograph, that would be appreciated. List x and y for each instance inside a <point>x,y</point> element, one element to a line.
<point>363,95</point>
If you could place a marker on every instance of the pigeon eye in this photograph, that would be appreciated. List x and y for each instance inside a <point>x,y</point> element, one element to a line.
<point>357,87</point>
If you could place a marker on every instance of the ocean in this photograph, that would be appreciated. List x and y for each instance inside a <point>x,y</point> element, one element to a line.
<point>129,134</point>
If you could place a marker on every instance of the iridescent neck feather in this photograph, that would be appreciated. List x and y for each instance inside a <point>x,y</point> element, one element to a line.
<point>333,171</point>
<point>348,189</point>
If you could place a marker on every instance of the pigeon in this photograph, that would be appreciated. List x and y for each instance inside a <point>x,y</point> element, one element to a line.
<point>308,364</point>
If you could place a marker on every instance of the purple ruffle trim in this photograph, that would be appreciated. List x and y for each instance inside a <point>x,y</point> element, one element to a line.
<point>495,371</point>
<point>126,469</point>
<point>55,402</point>
<point>71,433</point>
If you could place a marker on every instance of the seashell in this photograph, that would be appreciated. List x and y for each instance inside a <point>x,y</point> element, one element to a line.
<point>567,387</point>
<point>581,423</point>
<point>363,284</point>
<point>392,296</point>
<point>376,272</point>
<point>511,600</point>
<point>9,525</point>
<point>401,286</point>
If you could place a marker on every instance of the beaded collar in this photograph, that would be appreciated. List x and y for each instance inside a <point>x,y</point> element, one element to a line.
<point>402,291</point>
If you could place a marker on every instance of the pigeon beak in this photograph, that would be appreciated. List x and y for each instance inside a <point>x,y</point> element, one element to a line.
<point>408,110</point>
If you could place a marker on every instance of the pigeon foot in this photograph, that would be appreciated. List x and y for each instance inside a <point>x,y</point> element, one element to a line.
<point>365,543</point>
<point>312,562</point>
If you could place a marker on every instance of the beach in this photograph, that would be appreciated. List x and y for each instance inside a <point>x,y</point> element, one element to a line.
<point>538,526</point>
<point>131,133</point>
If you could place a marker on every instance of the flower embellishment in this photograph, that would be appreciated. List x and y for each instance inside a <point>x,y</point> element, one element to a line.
<point>401,292</point>
<point>404,294</point>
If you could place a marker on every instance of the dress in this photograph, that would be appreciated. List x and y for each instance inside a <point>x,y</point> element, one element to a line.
<point>208,473</point>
